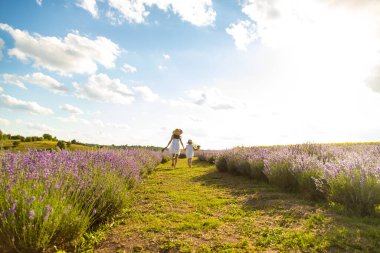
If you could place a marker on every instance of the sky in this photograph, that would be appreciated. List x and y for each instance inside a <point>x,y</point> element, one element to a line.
<point>229,73</point>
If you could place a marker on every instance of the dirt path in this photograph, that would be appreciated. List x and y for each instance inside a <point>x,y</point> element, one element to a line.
<point>202,210</point>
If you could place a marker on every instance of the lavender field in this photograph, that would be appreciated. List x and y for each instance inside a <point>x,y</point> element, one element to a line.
<point>52,198</point>
<point>346,176</point>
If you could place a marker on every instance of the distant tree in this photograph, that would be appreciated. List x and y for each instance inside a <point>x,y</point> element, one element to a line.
<point>61,144</point>
<point>1,135</point>
<point>47,137</point>
<point>16,143</point>
<point>55,138</point>
<point>28,139</point>
<point>17,137</point>
<point>74,141</point>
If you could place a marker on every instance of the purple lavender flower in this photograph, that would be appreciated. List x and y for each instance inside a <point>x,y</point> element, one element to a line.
<point>12,210</point>
<point>31,214</point>
<point>31,199</point>
<point>48,210</point>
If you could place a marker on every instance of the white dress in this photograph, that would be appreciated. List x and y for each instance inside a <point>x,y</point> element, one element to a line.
<point>189,151</point>
<point>174,147</point>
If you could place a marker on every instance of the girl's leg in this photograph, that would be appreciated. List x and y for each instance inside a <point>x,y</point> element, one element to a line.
<point>190,162</point>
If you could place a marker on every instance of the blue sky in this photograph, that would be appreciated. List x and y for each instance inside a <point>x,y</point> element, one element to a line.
<point>248,72</point>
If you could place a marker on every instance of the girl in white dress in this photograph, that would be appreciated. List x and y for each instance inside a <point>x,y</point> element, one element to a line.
<point>190,148</point>
<point>174,149</point>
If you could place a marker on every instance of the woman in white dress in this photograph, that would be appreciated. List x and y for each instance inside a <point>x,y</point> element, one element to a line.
<point>190,148</point>
<point>174,149</point>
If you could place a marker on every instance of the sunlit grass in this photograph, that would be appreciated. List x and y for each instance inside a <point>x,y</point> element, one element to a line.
<point>203,210</point>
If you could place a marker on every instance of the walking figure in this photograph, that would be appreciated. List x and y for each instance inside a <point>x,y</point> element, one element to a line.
<point>190,148</point>
<point>174,149</point>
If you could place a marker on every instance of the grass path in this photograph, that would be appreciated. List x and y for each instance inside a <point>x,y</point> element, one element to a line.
<point>202,210</point>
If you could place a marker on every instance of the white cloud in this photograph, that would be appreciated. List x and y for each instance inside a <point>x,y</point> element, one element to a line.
<point>146,93</point>
<point>98,123</point>
<point>71,109</point>
<point>196,12</point>
<point>90,6</point>
<point>212,98</point>
<point>325,42</point>
<point>4,122</point>
<point>1,89</point>
<point>40,127</point>
<point>101,124</point>
<point>114,17</point>
<point>72,54</point>
<point>14,79</point>
<point>39,2</point>
<point>74,119</point>
<point>38,79</point>
<point>117,125</point>
<point>30,106</point>
<point>281,23</point>
<point>166,56</point>
<point>46,81</point>
<point>132,11</point>
<point>354,3</point>
<point>243,33</point>
<point>129,69</point>
<point>162,67</point>
<point>373,80</point>
<point>2,43</point>
<point>101,88</point>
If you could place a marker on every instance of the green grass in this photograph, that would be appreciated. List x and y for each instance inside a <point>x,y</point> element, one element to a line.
<point>203,210</point>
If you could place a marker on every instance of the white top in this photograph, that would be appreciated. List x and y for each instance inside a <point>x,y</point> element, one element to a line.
<point>174,147</point>
<point>189,150</point>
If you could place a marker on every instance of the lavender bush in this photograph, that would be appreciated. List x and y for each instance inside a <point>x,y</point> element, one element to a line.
<point>355,181</point>
<point>52,198</point>
<point>348,175</point>
<point>208,156</point>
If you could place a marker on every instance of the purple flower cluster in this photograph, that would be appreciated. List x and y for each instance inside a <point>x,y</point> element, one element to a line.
<point>62,194</point>
<point>348,175</point>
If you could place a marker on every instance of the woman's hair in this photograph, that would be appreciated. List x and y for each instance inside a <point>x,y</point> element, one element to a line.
<point>176,136</point>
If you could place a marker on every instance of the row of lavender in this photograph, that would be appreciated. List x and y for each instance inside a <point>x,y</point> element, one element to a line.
<point>345,175</point>
<point>52,198</point>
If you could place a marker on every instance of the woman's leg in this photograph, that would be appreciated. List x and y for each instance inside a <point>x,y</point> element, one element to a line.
<point>175,160</point>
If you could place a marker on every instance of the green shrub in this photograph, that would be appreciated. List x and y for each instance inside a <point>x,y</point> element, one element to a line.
<point>280,173</point>
<point>357,192</point>
<point>256,170</point>
<point>221,163</point>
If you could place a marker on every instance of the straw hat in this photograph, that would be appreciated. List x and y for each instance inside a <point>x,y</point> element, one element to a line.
<point>190,142</point>
<point>177,131</point>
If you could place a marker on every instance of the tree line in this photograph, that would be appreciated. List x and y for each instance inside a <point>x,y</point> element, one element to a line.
<point>16,139</point>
